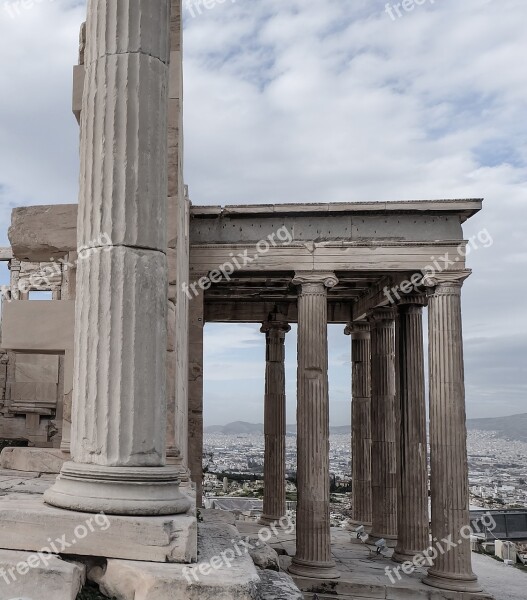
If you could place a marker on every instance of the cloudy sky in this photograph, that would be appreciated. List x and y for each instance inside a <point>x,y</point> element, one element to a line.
<point>310,101</point>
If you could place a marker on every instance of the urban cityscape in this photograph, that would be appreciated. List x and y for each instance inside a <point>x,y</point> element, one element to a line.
<point>497,468</point>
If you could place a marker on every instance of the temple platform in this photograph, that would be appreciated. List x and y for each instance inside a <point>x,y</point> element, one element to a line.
<point>363,574</point>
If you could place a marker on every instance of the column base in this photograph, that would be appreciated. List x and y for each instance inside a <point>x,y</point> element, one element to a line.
<point>354,524</point>
<point>182,471</point>
<point>402,556</point>
<point>453,583</point>
<point>278,522</point>
<point>391,540</point>
<point>313,570</point>
<point>123,491</point>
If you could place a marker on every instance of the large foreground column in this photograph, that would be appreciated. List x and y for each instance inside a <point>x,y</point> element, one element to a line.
<point>119,405</point>
<point>412,498</point>
<point>313,537</point>
<point>361,423</point>
<point>451,570</point>
<point>384,416</point>
<point>274,504</point>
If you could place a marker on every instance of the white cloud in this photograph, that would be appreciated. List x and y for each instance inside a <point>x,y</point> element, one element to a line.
<point>317,100</point>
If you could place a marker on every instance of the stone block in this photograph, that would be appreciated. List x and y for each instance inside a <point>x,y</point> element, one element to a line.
<point>37,368</point>
<point>130,189</point>
<point>210,579</point>
<point>274,586</point>
<point>27,523</point>
<point>41,232</point>
<point>40,460</point>
<point>27,485</point>
<point>51,325</point>
<point>212,515</point>
<point>263,556</point>
<point>126,33</point>
<point>25,576</point>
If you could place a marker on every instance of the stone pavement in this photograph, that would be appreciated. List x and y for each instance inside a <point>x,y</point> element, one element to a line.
<point>363,573</point>
<point>223,570</point>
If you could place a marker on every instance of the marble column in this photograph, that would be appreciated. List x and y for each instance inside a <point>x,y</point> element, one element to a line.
<point>274,503</point>
<point>451,570</point>
<point>361,423</point>
<point>412,498</point>
<point>195,390</point>
<point>384,419</point>
<point>68,293</point>
<point>178,244</point>
<point>14,267</point>
<point>313,538</point>
<point>119,405</point>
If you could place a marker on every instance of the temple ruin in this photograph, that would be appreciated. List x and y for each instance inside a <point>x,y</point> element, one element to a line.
<point>104,379</point>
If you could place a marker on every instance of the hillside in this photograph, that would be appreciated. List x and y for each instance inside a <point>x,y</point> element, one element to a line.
<point>509,428</point>
<point>241,427</point>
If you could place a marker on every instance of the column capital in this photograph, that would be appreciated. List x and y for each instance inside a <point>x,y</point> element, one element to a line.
<point>382,314</point>
<point>15,264</point>
<point>413,300</point>
<point>359,330</point>
<point>277,323</point>
<point>315,278</point>
<point>448,281</point>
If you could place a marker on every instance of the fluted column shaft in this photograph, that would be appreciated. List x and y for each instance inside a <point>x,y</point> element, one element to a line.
<point>195,391</point>
<point>412,498</point>
<point>313,542</point>
<point>361,423</point>
<point>274,503</point>
<point>384,418</point>
<point>14,268</point>
<point>451,570</point>
<point>119,404</point>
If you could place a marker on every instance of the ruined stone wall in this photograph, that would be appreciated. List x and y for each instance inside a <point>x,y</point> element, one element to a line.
<point>30,383</point>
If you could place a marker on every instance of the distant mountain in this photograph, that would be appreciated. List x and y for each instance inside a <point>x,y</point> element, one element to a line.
<point>236,428</point>
<point>241,427</point>
<point>509,428</point>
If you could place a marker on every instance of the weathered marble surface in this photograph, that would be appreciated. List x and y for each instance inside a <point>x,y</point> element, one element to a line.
<point>27,523</point>
<point>41,460</point>
<point>50,579</point>
<point>143,581</point>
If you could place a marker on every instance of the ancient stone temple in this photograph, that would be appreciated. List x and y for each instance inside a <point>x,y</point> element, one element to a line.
<point>104,380</point>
